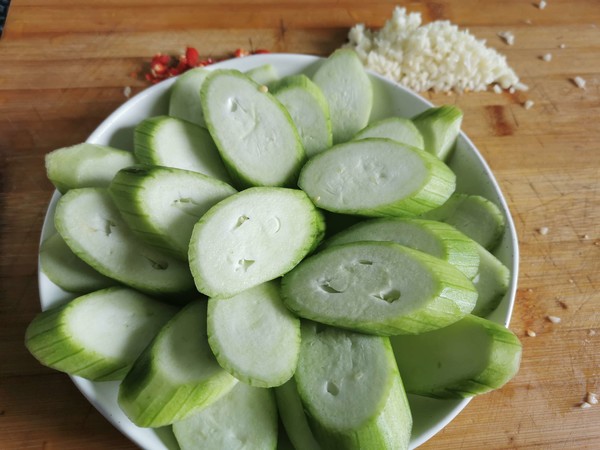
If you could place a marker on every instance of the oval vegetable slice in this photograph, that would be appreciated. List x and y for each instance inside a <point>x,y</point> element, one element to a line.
<point>162,204</point>
<point>245,417</point>
<point>176,375</point>
<point>399,129</point>
<point>254,133</point>
<point>474,215</point>
<point>171,142</point>
<point>376,177</point>
<point>263,75</point>
<point>293,417</point>
<point>351,390</point>
<point>97,336</point>
<point>309,110</point>
<point>378,287</point>
<point>251,237</point>
<point>349,93</point>
<point>491,282</point>
<point>184,98</point>
<point>93,228</point>
<point>470,357</point>
<point>254,336</point>
<point>436,238</point>
<point>439,127</point>
<point>85,165</point>
<point>69,272</point>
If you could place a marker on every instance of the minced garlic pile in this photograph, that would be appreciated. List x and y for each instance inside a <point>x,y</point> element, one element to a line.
<point>435,56</point>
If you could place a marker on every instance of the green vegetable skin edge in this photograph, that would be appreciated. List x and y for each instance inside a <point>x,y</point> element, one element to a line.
<point>97,336</point>
<point>176,374</point>
<point>351,390</point>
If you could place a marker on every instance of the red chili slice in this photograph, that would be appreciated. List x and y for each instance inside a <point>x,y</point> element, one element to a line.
<point>164,66</point>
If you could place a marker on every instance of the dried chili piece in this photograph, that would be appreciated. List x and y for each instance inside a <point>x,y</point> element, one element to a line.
<point>192,56</point>
<point>165,66</point>
<point>240,52</point>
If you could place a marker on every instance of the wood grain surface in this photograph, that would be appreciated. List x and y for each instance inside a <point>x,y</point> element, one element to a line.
<point>64,66</point>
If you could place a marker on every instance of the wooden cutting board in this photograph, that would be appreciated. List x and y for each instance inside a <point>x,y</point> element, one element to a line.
<point>65,65</point>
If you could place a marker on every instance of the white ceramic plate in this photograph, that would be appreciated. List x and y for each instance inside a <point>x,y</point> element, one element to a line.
<point>473,176</point>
